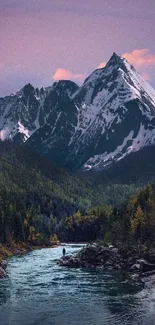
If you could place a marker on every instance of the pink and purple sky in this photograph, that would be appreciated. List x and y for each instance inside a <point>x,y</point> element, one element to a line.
<point>46,40</point>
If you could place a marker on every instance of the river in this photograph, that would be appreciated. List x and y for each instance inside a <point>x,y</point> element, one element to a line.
<point>39,292</point>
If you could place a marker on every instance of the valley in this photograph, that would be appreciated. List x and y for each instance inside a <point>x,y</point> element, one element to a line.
<point>77,165</point>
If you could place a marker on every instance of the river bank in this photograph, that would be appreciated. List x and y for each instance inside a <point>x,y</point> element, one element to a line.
<point>135,263</point>
<point>8,251</point>
<point>17,249</point>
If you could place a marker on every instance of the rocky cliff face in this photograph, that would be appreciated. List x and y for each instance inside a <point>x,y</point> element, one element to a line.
<point>111,115</point>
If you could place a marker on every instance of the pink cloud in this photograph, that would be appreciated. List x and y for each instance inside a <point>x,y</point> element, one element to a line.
<point>101,65</point>
<point>64,74</point>
<point>146,76</point>
<point>140,58</point>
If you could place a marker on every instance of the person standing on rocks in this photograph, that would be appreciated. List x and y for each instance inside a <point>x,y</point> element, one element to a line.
<point>64,252</point>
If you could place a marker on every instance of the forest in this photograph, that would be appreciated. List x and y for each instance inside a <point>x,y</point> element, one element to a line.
<point>39,202</point>
<point>131,223</point>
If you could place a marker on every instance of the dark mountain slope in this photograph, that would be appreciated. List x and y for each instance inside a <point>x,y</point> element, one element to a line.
<point>137,168</point>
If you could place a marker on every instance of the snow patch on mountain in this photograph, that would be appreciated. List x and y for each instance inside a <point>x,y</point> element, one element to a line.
<point>26,133</point>
<point>101,160</point>
<point>144,138</point>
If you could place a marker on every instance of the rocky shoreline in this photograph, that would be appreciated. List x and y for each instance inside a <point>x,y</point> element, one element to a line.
<point>8,251</point>
<point>16,250</point>
<point>134,263</point>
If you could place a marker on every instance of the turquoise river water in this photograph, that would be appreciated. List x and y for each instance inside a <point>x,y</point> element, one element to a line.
<point>39,292</point>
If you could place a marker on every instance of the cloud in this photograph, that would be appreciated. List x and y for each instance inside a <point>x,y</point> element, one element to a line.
<point>64,74</point>
<point>140,58</point>
<point>146,76</point>
<point>101,65</point>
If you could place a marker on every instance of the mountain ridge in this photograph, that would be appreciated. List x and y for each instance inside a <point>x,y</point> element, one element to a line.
<point>89,127</point>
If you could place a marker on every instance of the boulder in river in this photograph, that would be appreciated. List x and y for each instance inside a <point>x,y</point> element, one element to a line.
<point>70,261</point>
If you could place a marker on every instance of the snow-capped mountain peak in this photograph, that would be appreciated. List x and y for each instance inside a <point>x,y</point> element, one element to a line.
<point>108,117</point>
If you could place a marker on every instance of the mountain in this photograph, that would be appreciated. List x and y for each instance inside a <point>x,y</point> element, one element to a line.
<point>89,127</point>
<point>21,114</point>
<point>136,168</point>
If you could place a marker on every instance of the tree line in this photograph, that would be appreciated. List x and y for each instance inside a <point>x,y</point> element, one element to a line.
<point>131,223</point>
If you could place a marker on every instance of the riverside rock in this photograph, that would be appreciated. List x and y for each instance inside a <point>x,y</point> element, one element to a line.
<point>3,264</point>
<point>2,272</point>
<point>111,258</point>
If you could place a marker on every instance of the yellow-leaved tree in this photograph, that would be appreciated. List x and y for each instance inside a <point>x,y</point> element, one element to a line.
<point>137,223</point>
